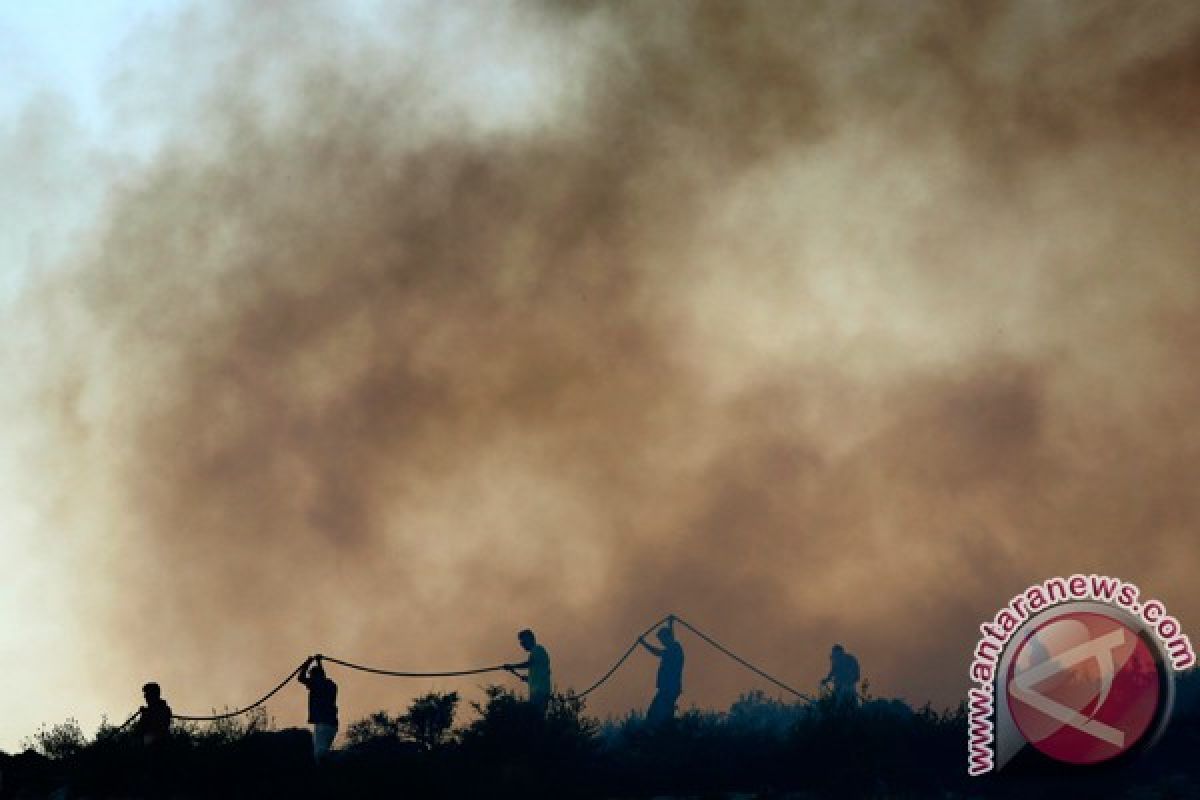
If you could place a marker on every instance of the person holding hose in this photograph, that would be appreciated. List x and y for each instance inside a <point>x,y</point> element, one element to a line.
<point>669,681</point>
<point>843,677</point>
<point>537,668</point>
<point>322,705</point>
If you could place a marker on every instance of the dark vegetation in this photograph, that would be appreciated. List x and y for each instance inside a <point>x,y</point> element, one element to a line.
<point>759,748</point>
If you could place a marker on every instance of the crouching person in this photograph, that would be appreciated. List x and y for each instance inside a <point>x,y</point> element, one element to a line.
<point>322,705</point>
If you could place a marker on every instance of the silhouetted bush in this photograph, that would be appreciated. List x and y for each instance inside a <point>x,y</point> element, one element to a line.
<point>427,724</point>
<point>1187,694</point>
<point>760,747</point>
<point>430,718</point>
<point>59,741</point>
<point>514,749</point>
<point>373,728</point>
<point>225,731</point>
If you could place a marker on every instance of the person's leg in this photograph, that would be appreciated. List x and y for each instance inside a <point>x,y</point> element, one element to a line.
<point>670,700</point>
<point>658,712</point>
<point>323,736</point>
<point>160,767</point>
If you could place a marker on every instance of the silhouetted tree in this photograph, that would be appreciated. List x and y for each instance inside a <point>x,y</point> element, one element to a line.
<point>58,742</point>
<point>430,718</point>
<point>379,725</point>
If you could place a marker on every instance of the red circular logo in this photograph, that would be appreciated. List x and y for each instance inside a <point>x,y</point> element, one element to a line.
<point>1084,688</point>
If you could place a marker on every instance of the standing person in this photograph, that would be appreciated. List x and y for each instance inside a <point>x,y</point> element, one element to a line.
<point>844,675</point>
<point>669,681</point>
<point>537,668</point>
<point>322,705</point>
<point>154,719</point>
<point>154,726</point>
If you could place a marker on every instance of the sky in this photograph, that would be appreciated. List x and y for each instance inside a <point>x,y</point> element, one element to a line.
<point>389,330</point>
<point>70,49</point>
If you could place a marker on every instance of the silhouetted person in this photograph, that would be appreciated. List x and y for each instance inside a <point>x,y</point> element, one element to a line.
<point>669,681</point>
<point>537,668</point>
<point>843,675</point>
<point>154,720</point>
<point>322,705</point>
<point>154,726</point>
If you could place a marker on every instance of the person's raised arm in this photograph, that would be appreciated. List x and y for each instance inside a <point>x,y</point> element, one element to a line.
<point>302,676</point>
<point>657,651</point>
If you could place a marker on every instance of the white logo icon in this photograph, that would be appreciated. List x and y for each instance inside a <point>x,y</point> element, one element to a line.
<point>1101,649</point>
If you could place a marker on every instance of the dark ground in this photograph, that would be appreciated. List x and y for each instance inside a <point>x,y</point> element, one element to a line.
<point>759,748</point>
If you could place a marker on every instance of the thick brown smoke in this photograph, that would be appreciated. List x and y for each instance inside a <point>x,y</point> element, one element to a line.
<point>810,323</point>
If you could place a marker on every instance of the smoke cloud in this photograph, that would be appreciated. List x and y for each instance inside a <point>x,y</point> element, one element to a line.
<point>809,323</point>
